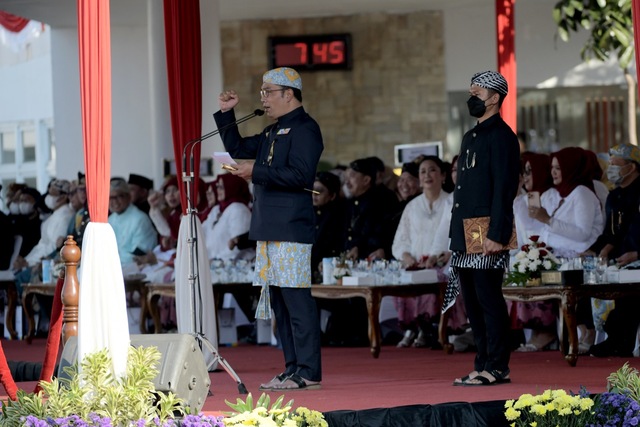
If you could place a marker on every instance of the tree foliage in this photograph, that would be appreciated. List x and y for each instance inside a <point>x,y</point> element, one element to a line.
<point>609,23</point>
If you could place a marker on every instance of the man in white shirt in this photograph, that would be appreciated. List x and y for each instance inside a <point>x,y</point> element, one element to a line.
<point>54,227</point>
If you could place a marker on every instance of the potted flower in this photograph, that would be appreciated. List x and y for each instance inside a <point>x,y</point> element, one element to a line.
<point>340,268</point>
<point>533,258</point>
<point>95,398</point>
<point>553,408</point>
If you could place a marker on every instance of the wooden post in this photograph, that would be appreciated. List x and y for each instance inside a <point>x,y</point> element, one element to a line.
<point>70,254</point>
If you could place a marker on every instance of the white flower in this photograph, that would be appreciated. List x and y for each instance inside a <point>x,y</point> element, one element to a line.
<point>522,268</point>
<point>534,253</point>
<point>547,264</point>
<point>521,255</point>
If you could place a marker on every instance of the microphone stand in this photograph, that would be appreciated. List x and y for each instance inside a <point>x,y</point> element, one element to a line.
<point>193,260</point>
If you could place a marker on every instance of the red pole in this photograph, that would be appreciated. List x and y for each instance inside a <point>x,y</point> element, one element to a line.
<point>505,36</point>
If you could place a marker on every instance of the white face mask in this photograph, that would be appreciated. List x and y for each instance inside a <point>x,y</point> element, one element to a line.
<point>26,208</point>
<point>51,201</point>
<point>14,208</point>
<point>614,174</point>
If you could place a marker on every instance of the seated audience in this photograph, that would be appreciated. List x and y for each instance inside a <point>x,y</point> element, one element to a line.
<point>139,187</point>
<point>539,316</point>
<point>54,227</point>
<point>422,241</point>
<point>80,219</point>
<point>11,202</point>
<point>7,241</point>
<point>27,222</point>
<point>212,199</point>
<point>165,210</point>
<point>365,213</point>
<point>571,215</point>
<point>133,229</point>
<point>620,242</point>
<point>329,208</point>
<point>231,219</point>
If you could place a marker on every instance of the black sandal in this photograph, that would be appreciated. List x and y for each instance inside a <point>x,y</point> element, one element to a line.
<point>481,380</point>
<point>274,381</point>
<point>461,381</point>
<point>299,382</point>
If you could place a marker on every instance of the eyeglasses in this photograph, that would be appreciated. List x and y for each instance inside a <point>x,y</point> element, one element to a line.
<point>264,93</point>
<point>527,171</point>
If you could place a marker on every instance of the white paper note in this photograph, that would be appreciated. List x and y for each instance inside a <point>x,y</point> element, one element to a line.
<point>223,157</point>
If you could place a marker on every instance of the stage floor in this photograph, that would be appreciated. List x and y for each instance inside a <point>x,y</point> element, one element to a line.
<point>353,380</point>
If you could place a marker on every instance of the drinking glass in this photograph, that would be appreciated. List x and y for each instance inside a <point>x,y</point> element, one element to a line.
<point>601,269</point>
<point>589,269</point>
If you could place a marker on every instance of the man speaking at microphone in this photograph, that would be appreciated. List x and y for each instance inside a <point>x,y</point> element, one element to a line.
<point>286,156</point>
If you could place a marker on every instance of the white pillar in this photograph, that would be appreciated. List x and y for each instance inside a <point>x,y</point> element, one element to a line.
<point>160,140</point>
<point>211,71</point>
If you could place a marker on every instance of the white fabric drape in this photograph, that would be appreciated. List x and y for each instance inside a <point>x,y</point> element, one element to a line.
<point>201,308</point>
<point>102,313</point>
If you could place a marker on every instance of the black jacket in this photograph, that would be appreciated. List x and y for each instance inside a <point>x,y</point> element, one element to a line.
<point>286,155</point>
<point>487,182</point>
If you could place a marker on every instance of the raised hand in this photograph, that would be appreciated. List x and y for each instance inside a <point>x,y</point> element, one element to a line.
<point>227,100</point>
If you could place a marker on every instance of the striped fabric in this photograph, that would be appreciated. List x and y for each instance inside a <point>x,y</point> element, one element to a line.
<point>491,80</point>
<point>475,261</point>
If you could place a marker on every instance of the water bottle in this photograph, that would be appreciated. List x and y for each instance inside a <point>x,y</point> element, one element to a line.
<point>47,270</point>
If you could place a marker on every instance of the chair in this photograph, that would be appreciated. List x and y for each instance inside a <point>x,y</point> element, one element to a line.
<point>7,275</point>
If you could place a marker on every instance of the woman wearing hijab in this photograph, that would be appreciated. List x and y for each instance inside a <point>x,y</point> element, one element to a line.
<point>571,215</point>
<point>231,219</point>
<point>540,316</point>
<point>536,179</point>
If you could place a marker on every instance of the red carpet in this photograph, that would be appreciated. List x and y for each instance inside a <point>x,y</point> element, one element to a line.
<point>353,380</point>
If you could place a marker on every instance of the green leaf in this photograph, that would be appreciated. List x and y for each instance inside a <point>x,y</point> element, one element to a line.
<point>626,57</point>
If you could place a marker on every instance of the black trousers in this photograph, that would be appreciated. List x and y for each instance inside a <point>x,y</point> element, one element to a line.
<point>298,327</point>
<point>487,312</point>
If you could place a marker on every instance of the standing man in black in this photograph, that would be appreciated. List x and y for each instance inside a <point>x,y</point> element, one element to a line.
<point>286,156</point>
<point>487,183</point>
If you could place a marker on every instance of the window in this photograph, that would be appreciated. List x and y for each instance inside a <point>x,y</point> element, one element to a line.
<point>7,148</point>
<point>29,145</point>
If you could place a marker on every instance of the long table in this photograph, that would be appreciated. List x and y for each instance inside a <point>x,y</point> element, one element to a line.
<point>568,296</point>
<point>372,295</point>
<point>134,283</point>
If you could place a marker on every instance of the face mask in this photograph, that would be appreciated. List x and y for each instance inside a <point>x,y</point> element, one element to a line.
<point>51,201</point>
<point>26,208</point>
<point>14,208</point>
<point>613,174</point>
<point>476,106</point>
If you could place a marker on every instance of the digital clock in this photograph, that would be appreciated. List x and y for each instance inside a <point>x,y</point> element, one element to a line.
<point>311,53</point>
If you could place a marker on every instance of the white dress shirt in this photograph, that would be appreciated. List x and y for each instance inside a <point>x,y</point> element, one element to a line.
<point>52,228</point>
<point>575,224</point>
<point>424,229</point>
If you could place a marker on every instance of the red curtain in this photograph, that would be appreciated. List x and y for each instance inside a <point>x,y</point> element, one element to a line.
<point>95,93</point>
<point>11,22</point>
<point>184,71</point>
<point>505,20</point>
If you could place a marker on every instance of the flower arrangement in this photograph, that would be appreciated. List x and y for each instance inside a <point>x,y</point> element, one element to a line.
<point>618,407</point>
<point>615,409</point>
<point>95,398</point>
<point>277,415</point>
<point>550,409</point>
<point>533,258</point>
<point>341,267</point>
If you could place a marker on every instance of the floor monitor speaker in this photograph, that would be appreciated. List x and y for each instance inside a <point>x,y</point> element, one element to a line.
<point>181,371</point>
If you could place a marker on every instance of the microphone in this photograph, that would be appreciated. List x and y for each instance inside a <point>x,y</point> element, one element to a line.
<point>191,144</point>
